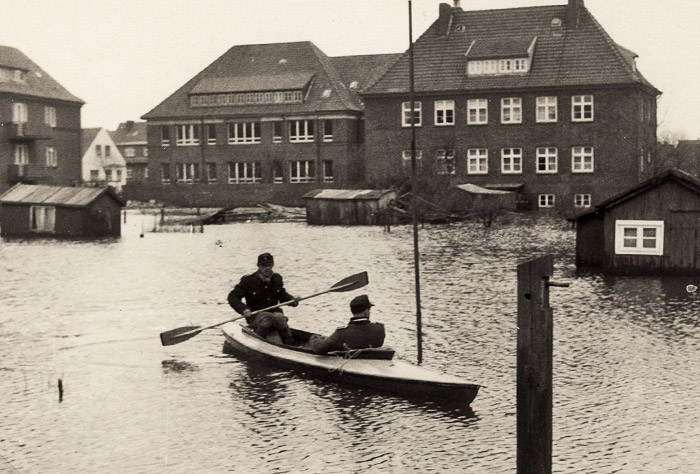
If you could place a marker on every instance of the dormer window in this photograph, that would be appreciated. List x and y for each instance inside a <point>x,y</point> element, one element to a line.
<point>494,56</point>
<point>354,85</point>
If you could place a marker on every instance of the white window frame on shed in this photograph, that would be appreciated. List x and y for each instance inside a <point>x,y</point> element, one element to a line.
<point>633,237</point>
<point>42,218</point>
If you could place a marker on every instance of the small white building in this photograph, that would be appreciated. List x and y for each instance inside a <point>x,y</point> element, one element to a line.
<point>102,162</point>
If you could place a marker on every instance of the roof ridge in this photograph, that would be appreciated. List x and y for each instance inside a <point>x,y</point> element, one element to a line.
<point>334,76</point>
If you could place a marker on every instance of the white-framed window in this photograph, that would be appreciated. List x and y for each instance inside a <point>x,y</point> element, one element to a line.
<point>639,237</point>
<point>302,171</point>
<point>130,152</point>
<point>546,160</point>
<point>545,200</point>
<point>582,159</point>
<point>582,108</point>
<point>490,66</point>
<point>164,173</point>
<point>243,132</point>
<point>244,172</point>
<point>477,161</point>
<point>444,112</point>
<point>19,113</point>
<point>187,135</point>
<point>211,173</point>
<point>129,173</point>
<point>546,109</point>
<point>406,158</point>
<point>42,218</point>
<point>119,175</point>
<point>210,130</point>
<point>328,130</point>
<point>21,153</point>
<point>51,157</point>
<point>301,131</point>
<point>445,162</point>
<point>94,175</point>
<point>582,200</point>
<point>277,130</point>
<point>187,173</point>
<point>98,151</point>
<point>509,66</point>
<point>327,171</point>
<point>511,160</point>
<point>108,151</point>
<point>477,111</point>
<point>164,135</point>
<point>50,116</point>
<point>511,110</point>
<point>406,114</point>
<point>108,175</point>
<point>277,172</point>
<point>145,151</point>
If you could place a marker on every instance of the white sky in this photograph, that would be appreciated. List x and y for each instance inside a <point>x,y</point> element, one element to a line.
<point>123,57</point>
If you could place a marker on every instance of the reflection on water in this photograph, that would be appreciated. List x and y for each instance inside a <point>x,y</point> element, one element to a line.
<point>626,371</point>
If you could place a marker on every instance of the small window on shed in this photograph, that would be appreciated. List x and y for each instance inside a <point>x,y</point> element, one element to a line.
<point>42,218</point>
<point>639,237</point>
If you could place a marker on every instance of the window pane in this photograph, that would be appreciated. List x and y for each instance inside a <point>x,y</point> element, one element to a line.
<point>649,232</point>
<point>630,232</point>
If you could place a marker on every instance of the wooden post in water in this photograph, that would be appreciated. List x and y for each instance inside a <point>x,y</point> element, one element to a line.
<point>534,378</point>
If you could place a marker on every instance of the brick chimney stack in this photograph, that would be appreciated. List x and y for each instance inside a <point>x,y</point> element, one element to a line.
<point>458,4</point>
<point>574,13</point>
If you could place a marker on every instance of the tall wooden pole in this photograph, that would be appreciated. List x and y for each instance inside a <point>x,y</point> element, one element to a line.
<point>534,373</point>
<point>414,201</point>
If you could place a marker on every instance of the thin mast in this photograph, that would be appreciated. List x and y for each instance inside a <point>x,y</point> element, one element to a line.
<point>416,255</point>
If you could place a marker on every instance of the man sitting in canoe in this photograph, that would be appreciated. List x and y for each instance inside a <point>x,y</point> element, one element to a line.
<point>360,333</point>
<point>263,289</point>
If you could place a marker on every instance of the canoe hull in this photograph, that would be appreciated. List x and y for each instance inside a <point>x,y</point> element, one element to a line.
<point>392,376</point>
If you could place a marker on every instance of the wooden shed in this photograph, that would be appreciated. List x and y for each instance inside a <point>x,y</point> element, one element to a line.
<point>348,206</point>
<point>27,209</point>
<point>651,228</point>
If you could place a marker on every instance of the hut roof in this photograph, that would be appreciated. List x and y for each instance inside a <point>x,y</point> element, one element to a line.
<point>681,177</point>
<point>347,194</point>
<point>55,195</point>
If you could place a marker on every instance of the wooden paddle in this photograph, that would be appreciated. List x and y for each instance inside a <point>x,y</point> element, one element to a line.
<point>178,335</point>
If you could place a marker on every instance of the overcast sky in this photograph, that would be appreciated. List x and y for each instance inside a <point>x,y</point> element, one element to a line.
<point>123,57</point>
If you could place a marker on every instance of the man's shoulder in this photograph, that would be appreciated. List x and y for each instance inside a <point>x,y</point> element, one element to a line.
<point>249,278</point>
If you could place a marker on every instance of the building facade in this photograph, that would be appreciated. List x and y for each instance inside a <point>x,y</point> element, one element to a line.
<point>39,125</point>
<point>102,162</point>
<point>130,139</point>
<point>263,123</point>
<point>539,100</point>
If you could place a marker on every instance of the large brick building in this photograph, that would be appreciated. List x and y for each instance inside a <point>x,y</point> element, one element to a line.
<point>265,122</point>
<point>39,125</point>
<point>540,100</point>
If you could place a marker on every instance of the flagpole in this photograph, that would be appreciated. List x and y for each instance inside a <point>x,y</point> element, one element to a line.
<point>416,255</point>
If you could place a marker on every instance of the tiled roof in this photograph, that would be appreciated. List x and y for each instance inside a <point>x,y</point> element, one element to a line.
<point>501,47</point>
<point>37,82</point>
<point>87,136</point>
<point>279,82</point>
<point>248,64</point>
<point>563,56</point>
<point>54,195</point>
<point>130,133</point>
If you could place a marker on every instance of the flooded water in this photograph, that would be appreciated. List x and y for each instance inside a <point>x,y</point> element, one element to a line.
<point>626,365</point>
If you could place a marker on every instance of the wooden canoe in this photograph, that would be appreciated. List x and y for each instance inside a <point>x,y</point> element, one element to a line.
<point>372,368</point>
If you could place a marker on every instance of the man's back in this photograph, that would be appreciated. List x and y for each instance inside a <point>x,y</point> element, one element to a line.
<point>356,335</point>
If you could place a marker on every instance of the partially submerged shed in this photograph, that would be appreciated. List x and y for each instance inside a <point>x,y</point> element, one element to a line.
<point>348,206</point>
<point>27,209</point>
<point>651,228</point>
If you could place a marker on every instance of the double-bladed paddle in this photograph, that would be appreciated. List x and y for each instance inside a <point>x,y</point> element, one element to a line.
<point>178,335</point>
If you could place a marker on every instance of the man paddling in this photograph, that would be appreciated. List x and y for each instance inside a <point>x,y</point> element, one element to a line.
<point>360,333</point>
<point>263,289</point>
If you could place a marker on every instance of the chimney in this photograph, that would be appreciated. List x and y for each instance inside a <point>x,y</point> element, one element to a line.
<point>573,13</point>
<point>458,4</point>
<point>129,125</point>
<point>444,20</point>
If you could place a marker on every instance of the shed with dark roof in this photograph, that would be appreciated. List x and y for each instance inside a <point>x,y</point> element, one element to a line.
<point>27,209</point>
<point>348,206</point>
<point>651,228</point>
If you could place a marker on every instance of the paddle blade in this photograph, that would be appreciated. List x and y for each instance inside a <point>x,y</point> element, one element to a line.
<point>350,283</point>
<point>176,336</point>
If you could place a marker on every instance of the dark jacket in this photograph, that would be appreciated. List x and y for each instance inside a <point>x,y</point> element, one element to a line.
<point>258,293</point>
<point>358,334</point>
